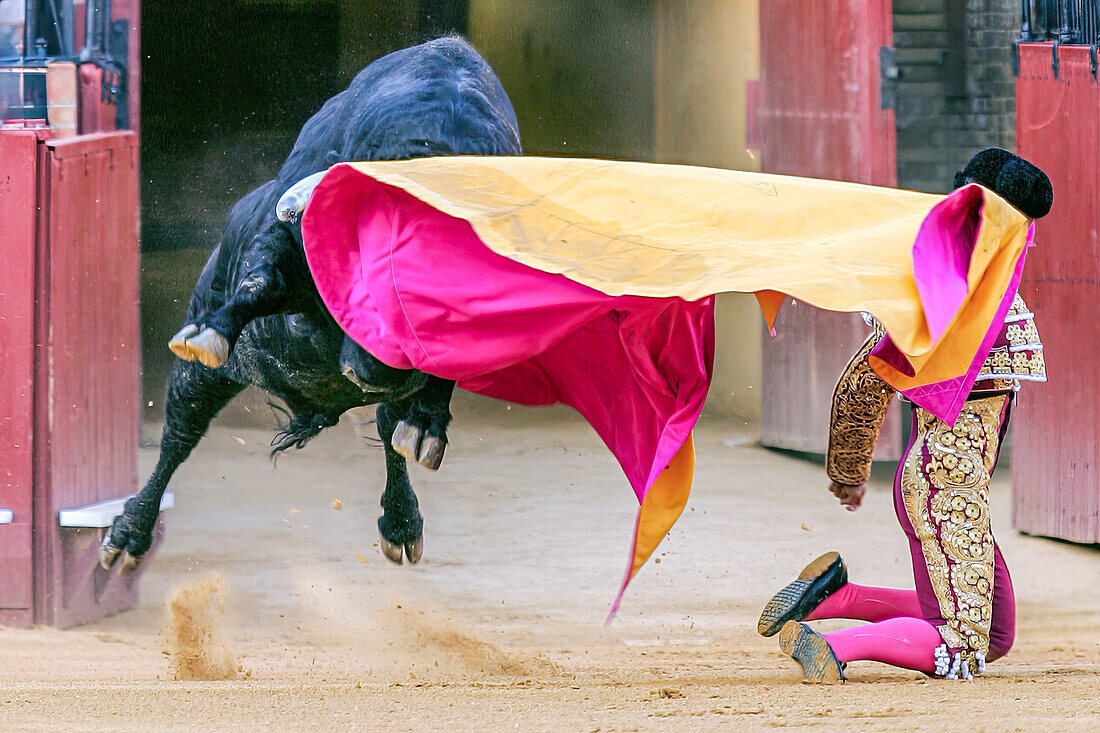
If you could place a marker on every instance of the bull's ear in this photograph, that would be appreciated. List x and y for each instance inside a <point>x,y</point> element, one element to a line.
<point>293,202</point>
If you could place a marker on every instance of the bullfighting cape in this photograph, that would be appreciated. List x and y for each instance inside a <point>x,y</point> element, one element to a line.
<point>591,283</point>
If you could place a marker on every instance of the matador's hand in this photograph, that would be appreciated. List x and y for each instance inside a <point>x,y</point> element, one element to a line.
<point>850,496</point>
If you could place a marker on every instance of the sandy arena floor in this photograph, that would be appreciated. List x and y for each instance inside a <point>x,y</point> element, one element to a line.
<point>501,626</point>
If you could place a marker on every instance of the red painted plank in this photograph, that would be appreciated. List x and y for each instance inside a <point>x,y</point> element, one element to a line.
<point>89,361</point>
<point>131,11</point>
<point>16,588</point>
<point>1056,476</point>
<point>819,110</point>
<point>819,115</point>
<point>18,150</point>
<point>94,318</point>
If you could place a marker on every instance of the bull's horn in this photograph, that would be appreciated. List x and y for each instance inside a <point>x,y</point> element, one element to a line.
<point>293,202</point>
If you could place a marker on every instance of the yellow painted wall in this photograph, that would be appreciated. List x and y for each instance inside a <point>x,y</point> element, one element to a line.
<point>707,51</point>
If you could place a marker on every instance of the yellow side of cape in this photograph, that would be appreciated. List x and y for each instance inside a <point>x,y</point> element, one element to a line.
<point>689,232</point>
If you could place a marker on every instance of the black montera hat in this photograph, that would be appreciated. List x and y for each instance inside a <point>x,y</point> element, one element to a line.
<point>1022,184</point>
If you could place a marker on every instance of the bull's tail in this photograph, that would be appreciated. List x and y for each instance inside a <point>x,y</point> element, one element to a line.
<point>295,430</point>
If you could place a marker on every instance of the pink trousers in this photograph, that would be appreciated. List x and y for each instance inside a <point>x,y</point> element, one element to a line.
<point>904,623</point>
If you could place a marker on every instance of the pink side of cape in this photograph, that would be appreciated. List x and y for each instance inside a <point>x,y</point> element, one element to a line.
<point>941,265</point>
<point>418,289</point>
<point>941,256</point>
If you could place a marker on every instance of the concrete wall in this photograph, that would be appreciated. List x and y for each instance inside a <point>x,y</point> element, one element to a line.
<point>938,130</point>
<point>370,30</point>
<point>579,74</point>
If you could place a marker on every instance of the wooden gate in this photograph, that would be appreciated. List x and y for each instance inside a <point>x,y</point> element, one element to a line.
<point>1055,471</point>
<point>819,115</point>
<point>70,364</point>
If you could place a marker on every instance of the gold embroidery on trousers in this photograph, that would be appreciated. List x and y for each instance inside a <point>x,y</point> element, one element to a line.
<point>945,489</point>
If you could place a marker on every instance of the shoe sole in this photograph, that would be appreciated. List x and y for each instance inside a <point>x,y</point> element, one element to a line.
<point>795,601</point>
<point>811,651</point>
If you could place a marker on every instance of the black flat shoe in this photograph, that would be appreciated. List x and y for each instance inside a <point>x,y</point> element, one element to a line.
<point>817,581</point>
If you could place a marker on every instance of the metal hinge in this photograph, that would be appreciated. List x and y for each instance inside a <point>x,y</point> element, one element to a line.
<point>1092,61</point>
<point>1054,58</point>
<point>888,75</point>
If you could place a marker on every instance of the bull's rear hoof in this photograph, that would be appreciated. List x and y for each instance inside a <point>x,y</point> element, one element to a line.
<point>109,556</point>
<point>411,442</point>
<point>130,563</point>
<point>406,440</point>
<point>431,452</point>
<point>206,346</point>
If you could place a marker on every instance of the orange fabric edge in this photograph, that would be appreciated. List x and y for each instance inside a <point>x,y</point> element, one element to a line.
<point>662,506</point>
<point>770,302</point>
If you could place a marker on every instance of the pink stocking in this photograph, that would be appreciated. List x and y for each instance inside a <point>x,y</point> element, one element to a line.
<point>902,642</point>
<point>868,603</point>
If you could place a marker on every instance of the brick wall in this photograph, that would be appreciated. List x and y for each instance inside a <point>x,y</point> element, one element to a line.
<point>952,100</point>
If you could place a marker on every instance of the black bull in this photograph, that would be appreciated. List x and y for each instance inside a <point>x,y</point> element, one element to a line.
<point>255,316</point>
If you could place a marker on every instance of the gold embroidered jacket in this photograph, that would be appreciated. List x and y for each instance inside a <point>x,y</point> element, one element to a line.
<point>861,397</point>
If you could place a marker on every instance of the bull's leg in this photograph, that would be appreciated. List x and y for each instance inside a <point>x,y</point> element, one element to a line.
<point>195,396</point>
<point>271,267</point>
<point>422,435</point>
<point>400,527</point>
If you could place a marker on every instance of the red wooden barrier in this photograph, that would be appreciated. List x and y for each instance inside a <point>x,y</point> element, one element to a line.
<point>69,368</point>
<point>89,363</point>
<point>819,115</point>
<point>18,150</point>
<point>1055,463</point>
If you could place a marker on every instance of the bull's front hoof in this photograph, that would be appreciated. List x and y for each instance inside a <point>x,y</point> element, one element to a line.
<point>411,442</point>
<point>206,346</point>
<point>107,553</point>
<point>415,550</point>
<point>394,552</point>
<point>130,563</point>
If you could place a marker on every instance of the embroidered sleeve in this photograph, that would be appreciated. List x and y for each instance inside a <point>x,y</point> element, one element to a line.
<point>859,407</point>
<point>1018,356</point>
